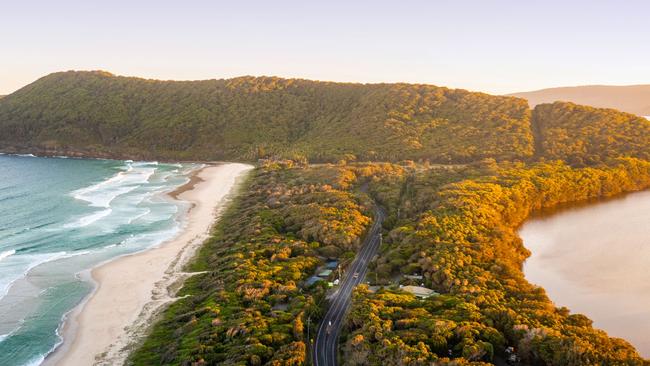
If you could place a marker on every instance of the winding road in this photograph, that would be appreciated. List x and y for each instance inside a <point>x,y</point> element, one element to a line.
<point>325,349</point>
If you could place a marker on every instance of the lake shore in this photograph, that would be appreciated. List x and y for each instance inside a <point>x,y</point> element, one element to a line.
<point>594,259</point>
<point>131,290</point>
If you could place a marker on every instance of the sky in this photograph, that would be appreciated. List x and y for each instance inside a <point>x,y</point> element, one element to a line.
<point>495,46</point>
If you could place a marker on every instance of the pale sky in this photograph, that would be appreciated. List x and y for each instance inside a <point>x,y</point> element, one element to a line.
<point>498,46</point>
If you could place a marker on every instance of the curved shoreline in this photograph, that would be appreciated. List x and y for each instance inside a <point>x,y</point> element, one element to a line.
<point>130,290</point>
<point>593,260</point>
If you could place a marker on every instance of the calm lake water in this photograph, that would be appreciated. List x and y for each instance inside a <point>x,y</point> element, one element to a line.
<point>595,260</point>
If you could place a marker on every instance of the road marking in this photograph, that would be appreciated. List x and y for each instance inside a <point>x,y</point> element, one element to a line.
<point>341,299</point>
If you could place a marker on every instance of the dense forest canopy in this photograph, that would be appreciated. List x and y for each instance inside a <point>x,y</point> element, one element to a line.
<point>452,223</point>
<point>250,304</point>
<point>458,230</point>
<point>250,117</point>
<point>585,135</point>
<point>99,114</point>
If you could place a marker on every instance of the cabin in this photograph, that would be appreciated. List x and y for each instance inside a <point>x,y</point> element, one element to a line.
<point>414,277</point>
<point>418,291</point>
<point>332,265</point>
<point>325,273</point>
<point>312,280</point>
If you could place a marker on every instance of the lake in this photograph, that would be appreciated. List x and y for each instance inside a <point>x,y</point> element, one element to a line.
<point>595,260</point>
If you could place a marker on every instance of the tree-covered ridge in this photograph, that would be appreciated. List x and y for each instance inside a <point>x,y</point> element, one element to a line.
<point>249,305</point>
<point>462,239</point>
<point>250,117</point>
<point>585,136</point>
<point>246,118</point>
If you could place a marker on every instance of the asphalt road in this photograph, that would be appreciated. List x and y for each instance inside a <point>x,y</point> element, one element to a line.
<point>325,347</point>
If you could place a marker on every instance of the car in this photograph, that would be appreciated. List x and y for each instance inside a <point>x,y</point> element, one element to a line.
<point>356,275</point>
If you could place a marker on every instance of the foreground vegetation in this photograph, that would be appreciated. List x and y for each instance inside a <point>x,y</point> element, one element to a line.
<point>250,305</point>
<point>455,225</point>
<point>458,229</point>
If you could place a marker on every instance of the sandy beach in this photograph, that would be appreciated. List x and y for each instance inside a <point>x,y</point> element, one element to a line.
<point>132,289</point>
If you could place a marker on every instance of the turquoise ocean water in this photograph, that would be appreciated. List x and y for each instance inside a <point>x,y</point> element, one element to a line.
<point>60,217</point>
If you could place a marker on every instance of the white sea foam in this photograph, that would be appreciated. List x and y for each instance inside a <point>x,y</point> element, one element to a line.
<point>152,239</point>
<point>131,195</point>
<point>103,193</point>
<point>89,219</point>
<point>75,254</point>
<point>15,267</point>
<point>145,163</point>
<point>6,254</point>
<point>145,212</point>
<point>12,332</point>
<point>35,361</point>
<point>144,197</point>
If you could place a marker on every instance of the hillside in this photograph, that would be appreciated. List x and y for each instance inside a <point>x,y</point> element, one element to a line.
<point>246,118</point>
<point>250,117</point>
<point>584,135</point>
<point>632,99</point>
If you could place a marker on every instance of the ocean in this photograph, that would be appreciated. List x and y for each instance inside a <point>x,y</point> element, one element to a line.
<point>60,217</point>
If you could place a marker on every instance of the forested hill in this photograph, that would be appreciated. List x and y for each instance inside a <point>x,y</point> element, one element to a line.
<point>584,135</point>
<point>98,114</point>
<point>250,117</point>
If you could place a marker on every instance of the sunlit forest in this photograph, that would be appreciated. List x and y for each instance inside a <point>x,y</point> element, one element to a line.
<point>458,230</point>
<point>250,305</point>
<point>584,135</point>
<point>457,173</point>
<point>454,225</point>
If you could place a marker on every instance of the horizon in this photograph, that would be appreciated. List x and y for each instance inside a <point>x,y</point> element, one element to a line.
<point>496,48</point>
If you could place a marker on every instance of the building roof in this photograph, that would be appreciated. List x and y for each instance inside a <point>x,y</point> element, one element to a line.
<point>312,280</point>
<point>331,264</point>
<point>419,291</point>
<point>414,277</point>
<point>325,273</point>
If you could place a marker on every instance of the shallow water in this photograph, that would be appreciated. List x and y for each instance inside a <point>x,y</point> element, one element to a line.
<point>595,260</point>
<point>60,217</point>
